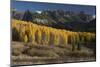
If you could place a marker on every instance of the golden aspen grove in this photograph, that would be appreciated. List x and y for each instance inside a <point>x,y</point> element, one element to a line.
<point>29,32</point>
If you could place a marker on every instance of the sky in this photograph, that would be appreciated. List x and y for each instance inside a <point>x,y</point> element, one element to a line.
<point>39,6</point>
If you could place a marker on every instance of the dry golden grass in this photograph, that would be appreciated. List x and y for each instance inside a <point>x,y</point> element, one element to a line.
<point>45,54</point>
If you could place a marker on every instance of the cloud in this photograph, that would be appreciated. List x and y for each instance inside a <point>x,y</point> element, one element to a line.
<point>39,11</point>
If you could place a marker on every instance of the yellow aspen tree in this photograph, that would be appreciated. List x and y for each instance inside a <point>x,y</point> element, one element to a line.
<point>25,39</point>
<point>65,37</point>
<point>38,36</point>
<point>47,36</point>
<point>56,39</point>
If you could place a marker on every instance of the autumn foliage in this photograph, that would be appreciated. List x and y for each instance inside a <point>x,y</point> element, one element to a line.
<point>29,32</point>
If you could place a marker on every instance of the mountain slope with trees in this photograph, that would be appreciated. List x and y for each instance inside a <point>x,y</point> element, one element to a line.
<point>59,19</point>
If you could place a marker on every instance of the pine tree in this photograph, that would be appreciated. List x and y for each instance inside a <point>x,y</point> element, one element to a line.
<point>27,16</point>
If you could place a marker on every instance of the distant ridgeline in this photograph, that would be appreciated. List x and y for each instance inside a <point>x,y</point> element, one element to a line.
<point>59,19</point>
